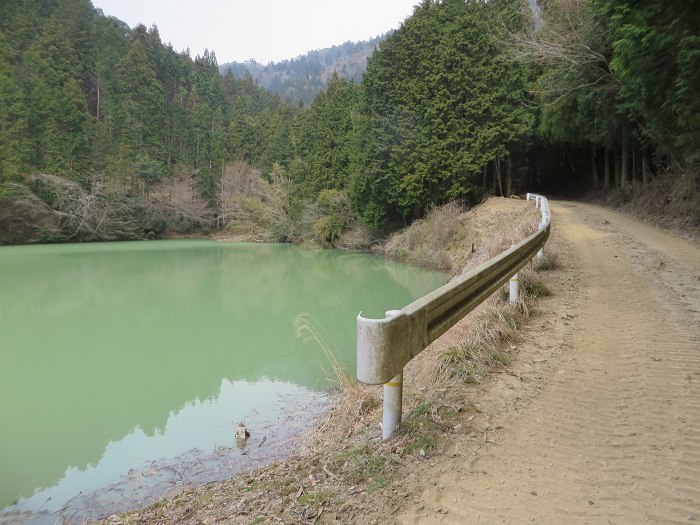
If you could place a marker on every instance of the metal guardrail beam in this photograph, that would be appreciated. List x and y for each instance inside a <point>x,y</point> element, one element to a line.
<point>384,346</point>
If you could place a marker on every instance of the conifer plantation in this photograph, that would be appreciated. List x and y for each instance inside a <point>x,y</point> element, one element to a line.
<point>107,133</point>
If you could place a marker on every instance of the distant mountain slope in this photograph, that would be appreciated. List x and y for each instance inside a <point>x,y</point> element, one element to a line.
<point>301,78</point>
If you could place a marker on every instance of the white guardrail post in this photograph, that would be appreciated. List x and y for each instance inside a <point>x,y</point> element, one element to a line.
<point>514,288</point>
<point>384,346</point>
<point>393,397</point>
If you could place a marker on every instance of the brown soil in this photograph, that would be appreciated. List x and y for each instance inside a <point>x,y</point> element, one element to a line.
<point>595,420</point>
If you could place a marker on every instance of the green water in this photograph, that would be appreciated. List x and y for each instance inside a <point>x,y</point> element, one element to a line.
<point>116,354</point>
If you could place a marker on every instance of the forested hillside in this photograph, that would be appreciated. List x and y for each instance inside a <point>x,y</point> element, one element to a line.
<point>109,134</point>
<point>105,133</point>
<point>300,79</point>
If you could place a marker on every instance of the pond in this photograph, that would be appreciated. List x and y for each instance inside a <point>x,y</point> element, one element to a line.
<point>126,367</point>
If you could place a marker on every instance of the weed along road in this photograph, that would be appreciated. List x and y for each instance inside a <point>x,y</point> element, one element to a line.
<point>598,420</point>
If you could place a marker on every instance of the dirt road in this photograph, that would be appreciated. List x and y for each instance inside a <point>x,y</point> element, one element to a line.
<point>599,421</point>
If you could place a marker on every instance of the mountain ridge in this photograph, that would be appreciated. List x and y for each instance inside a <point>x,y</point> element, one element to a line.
<point>300,79</point>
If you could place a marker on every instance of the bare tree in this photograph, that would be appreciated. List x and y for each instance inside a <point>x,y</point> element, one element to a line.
<point>176,201</point>
<point>251,205</point>
<point>573,45</point>
<point>85,214</point>
<point>24,217</point>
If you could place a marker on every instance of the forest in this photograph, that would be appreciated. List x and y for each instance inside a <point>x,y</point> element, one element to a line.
<point>108,134</point>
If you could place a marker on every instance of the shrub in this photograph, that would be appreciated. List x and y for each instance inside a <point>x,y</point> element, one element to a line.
<point>327,229</point>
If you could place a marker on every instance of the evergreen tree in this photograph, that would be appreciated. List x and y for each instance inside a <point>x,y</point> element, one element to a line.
<point>15,139</point>
<point>441,98</point>
<point>325,139</point>
<point>656,61</point>
<point>139,104</point>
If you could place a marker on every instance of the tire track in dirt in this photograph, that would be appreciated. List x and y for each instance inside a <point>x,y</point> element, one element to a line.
<point>614,436</point>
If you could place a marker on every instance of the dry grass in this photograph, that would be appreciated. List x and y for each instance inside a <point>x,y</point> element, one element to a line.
<point>487,344</point>
<point>490,338</point>
<point>428,242</point>
<point>452,239</point>
<point>354,401</point>
<point>548,261</point>
<point>357,238</point>
<point>530,283</point>
<point>497,232</point>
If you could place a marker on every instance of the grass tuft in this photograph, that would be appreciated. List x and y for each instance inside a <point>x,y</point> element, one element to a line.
<point>487,345</point>
<point>532,286</point>
<point>545,263</point>
<point>423,425</point>
<point>355,400</point>
<point>318,497</point>
<point>364,464</point>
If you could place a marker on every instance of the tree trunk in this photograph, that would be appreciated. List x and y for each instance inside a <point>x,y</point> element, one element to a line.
<point>97,110</point>
<point>594,169</point>
<point>493,178</point>
<point>645,167</point>
<point>509,176</point>
<point>625,175</point>
<point>606,168</point>
<point>486,168</point>
<point>497,176</point>
<point>618,171</point>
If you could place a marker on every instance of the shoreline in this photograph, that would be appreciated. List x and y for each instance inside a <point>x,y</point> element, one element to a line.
<point>345,453</point>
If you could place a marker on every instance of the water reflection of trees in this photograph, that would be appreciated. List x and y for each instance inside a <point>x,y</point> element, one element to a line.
<point>110,337</point>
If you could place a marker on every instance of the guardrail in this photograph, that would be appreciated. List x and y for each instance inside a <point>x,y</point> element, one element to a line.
<point>385,346</point>
<point>542,204</point>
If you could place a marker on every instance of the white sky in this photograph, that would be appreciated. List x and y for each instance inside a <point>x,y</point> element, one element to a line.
<point>266,30</point>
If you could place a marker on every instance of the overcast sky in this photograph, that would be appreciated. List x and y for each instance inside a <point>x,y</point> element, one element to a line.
<point>266,30</point>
